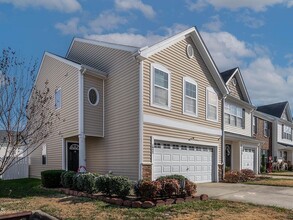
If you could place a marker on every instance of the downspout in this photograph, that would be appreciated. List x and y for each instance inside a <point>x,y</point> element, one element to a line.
<point>223,162</point>
<point>140,149</point>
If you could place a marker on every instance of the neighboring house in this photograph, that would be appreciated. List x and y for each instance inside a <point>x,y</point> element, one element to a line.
<point>262,125</point>
<point>282,141</point>
<point>241,149</point>
<point>139,112</point>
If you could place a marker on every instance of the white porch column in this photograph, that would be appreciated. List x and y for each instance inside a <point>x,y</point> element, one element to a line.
<point>82,153</point>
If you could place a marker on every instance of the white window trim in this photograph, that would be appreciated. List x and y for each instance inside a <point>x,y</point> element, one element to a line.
<point>188,79</point>
<point>264,128</point>
<point>164,69</point>
<point>44,145</point>
<point>234,115</point>
<point>56,90</point>
<point>98,96</point>
<point>217,115</point>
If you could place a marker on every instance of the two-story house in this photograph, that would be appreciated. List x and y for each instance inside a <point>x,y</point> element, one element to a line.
<point>262,125</point>
<point>241,149</point>
<point>282,141</point>
<point>139,112</point>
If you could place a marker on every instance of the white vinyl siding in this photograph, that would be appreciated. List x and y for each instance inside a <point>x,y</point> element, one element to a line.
<point>160,87</point>
<point>212,105</point>
<point>190,97</point>
<point>233,115</point>
<point>58,98</point>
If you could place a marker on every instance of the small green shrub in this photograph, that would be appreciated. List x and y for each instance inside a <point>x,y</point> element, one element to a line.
<point>136,187</point>
<point>102,184</point>
<point>175,176</point>
<point>120,186</point>
<point>149,189</point>
<point>51,178</point>
<point>67,179</point>
<point>84,182</point>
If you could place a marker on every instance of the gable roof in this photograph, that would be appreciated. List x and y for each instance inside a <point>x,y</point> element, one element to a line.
<point>229,74</point>
<point>276,109</point>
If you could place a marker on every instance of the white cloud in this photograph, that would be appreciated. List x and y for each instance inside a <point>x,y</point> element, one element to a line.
<point>251,21</point>
<point>214,25</point>
<point>126,5</point>
<point>255,5</point>
<point>106,21</point>
<point>226,49</point>
<point>60,5</point>
<point>70,27</point>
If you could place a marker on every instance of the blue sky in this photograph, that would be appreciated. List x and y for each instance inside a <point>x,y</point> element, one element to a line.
<point>255,35</point>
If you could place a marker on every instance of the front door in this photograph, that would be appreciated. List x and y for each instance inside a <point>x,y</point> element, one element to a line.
<point>228,157</point>
<point>73,156</point>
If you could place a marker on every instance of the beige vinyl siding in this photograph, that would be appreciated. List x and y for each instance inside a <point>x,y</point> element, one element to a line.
<point>239,130</point>
<point>64,76</point>
<point>235,89</point>
<point>174,58</point>
<point>118,150</point>
<point>93,115</point>
<point>155,130</point>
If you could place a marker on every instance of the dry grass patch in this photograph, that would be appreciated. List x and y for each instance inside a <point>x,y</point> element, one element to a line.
<point>281,174</point>
<point>273,182</point>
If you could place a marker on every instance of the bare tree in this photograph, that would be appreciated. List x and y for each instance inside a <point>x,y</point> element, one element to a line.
<point>26,116</point>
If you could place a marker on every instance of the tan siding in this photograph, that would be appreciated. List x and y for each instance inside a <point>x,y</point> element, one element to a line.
<point>118,150</point>
<point>176,61</point>
<point>58,75</point>
<point>93,115</point>
<point>154,130</point>
<point>235,89</point>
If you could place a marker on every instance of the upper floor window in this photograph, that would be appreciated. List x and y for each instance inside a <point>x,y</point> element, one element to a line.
<point>160,87</point>
<point>266,130</point>
<point>287,132</point>
<point>58,98</point>
<point>254,125</point>
<point>212,105</point>
<point>44,154</point>
<point>190,96</point>
<point>234,115</point>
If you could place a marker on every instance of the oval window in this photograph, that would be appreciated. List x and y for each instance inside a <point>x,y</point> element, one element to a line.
<point>93,96</point>
<point>189,51</point>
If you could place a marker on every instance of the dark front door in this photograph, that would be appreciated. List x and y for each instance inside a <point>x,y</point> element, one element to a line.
<point>73,158</point>
<point>228,157</point>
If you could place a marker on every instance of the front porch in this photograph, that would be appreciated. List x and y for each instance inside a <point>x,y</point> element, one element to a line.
<point>241,152</point>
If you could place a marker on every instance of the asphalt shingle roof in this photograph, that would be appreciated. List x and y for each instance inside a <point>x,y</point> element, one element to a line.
<point>275,109</point>
<point>227,74</point>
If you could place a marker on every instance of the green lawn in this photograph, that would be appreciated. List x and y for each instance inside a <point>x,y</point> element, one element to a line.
<point>273,182</point>
<point>27,194</point>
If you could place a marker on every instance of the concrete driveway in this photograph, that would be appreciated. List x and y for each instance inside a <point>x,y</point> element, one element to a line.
<point>262,195</point>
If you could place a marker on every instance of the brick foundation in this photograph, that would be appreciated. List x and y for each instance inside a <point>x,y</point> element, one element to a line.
<point>220,172</point>
<point>147,172</point>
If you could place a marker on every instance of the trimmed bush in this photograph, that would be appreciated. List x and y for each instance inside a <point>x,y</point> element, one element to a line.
<point>51,178</point>
<point>84,182</point>
<point>190,188</point>
<point>247,174</point>
<point>120,186</point>
<point>67,179</point>
<point>149,189</point>
<point>170,187</point>
<point>102,184</point>
<point>175,176</point>
<point>232,177</point>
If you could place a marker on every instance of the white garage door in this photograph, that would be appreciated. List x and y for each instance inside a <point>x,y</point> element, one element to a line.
<point>193,162</point>
<point>248,156</point>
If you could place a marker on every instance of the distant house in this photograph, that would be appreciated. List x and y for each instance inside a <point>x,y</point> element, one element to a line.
<point>279,114</point>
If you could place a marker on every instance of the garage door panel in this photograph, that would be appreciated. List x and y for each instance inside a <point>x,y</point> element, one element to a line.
<point>248,158</point>
<point>193,162</point>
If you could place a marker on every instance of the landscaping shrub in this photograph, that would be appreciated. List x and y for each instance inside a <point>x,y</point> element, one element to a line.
<point>149,189</point>
<point>175,176</point>
<point>120,186</point>
<point>102,184</point>
<point>84,182</point>
<point>247,174</point>
<point>170,187</point>
<point>51,178</point>
<point>232,177</point>
<point>190,188</point>
<point>67,179</point>
<point>136,187</point>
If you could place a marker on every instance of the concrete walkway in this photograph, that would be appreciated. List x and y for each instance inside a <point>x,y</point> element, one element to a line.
<point>262,195</point>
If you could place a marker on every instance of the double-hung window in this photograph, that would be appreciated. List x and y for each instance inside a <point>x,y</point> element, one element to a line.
<point>160,87</point>
<point>44,154</point>
<point>234,115</point>
<point>190,97</point>
<point>58,98</point>
<point>287,132</point>
<point>254,125</point>
<point>266,130</point>
<point>212,105</point>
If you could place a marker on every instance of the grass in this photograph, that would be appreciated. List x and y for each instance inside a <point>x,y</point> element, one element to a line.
<point>272,182</point>
<point>23,188</point>
<point>281,173</point>
<point>31,196</point>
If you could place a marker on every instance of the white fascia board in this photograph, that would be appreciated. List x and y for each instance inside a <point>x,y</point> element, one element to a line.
<point>288,111</point>
<point>233,74</point>
<point>182,125</point>
<point>264,116</point>
<point>63,60</point>
<point>240,102</point>
<point>131,49</point>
